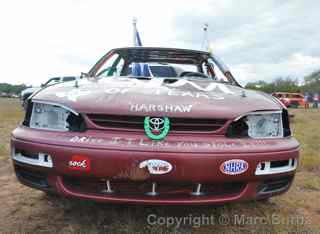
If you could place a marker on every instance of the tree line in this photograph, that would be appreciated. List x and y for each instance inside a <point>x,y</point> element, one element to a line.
<point>9,89</point>
<point>311,84</point>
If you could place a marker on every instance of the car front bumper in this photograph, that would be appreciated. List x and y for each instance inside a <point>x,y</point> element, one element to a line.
<point>41,160</point>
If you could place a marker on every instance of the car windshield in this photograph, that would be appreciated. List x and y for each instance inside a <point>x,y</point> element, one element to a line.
<point>161,63</point>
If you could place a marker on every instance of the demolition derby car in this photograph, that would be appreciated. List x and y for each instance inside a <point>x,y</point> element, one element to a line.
<point>155,126</point>
<point>290,99</point>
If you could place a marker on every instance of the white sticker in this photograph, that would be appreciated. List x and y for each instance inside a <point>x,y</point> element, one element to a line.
<point>156,166</point>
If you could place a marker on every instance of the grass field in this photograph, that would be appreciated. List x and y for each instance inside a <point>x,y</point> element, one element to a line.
<point>24,210</point>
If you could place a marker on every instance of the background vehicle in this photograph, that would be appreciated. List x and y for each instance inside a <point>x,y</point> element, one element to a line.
<point>29,91</point>
<point>290,99</point>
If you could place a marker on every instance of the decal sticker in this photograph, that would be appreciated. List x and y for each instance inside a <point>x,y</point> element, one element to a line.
<point>156,166</point>
<point>212,86</point>
<point>234,167</point>
<point>79,163</point>
<point>156,128</point>
<point>165,91</point>
<point>160,108</point>
<point>178,93</point>
<point>157,83</point>
<point>73,94</point>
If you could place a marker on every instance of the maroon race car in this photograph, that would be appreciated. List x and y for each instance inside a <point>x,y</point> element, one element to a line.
<point>155,126</point>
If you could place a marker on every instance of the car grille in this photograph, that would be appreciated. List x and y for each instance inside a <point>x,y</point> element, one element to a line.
<point>97,186</point>
<point>176,124</point>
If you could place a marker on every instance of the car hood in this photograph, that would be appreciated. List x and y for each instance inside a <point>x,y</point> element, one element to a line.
<point>157,97</point>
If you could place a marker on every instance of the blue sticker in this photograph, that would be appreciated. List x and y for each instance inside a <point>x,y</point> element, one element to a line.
<point>234,167</point>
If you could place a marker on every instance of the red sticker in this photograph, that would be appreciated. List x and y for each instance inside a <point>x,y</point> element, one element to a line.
<point>79,163</point>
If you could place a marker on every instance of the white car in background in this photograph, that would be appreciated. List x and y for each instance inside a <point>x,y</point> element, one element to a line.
<point>29,91</point>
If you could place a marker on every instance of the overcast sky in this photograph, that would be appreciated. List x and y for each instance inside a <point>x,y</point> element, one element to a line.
<point>257,39</point>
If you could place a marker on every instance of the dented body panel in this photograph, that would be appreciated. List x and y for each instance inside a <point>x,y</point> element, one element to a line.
<point>108,156</point>
<point>191,164</point>
<point>187,98</point>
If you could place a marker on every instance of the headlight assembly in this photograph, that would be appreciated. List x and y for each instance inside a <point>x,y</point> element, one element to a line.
<point>260,124</point>
<point>264,125</point>
<point>54,117</point>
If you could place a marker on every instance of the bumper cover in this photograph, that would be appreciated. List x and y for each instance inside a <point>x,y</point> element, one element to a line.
<point>116,161</point>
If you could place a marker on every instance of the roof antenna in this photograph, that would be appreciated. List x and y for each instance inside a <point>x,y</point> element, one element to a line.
<point>76,82</point>
<point>134,23</point>
<point>136,36</point>
<point>205,42</point>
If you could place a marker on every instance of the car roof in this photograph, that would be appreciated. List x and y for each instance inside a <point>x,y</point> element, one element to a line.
<point>159,54</point>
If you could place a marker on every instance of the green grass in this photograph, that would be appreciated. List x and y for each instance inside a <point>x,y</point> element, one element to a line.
<point>24,210</point>
<point>306,128</point>
<point>10,116</point>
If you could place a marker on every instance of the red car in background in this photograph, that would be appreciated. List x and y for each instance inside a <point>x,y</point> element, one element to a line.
<point>290,99</point>
<point>155,126</point>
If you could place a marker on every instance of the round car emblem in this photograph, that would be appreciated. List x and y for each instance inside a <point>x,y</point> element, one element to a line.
<point>156,124</point>
<point>156,128</point>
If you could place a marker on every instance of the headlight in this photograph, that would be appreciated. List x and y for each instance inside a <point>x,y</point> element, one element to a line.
<point>264,125</point>
<point>260,124</point>
<point>54,117</point>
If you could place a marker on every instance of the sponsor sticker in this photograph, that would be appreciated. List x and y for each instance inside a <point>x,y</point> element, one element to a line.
<point>234,167</point>
<point>156,167</point>
<point>79,163</point>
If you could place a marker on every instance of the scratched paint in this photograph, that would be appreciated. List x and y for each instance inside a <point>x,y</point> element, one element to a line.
<point>133,172</point>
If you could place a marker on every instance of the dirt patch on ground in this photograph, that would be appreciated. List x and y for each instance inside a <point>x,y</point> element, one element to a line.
<point>25,210</point>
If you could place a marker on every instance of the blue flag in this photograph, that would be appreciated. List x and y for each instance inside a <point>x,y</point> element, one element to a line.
<point>137,40</point>
<point>139,69</point>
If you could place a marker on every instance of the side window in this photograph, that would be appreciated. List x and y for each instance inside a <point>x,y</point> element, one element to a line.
<point>218,75</point>
<point>205,69</point>
<point>111,67</point>
<point>118,67</point>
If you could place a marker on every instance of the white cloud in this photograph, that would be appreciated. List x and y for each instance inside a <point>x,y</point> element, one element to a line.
<point>296,66</point>
<point>42,39</point>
